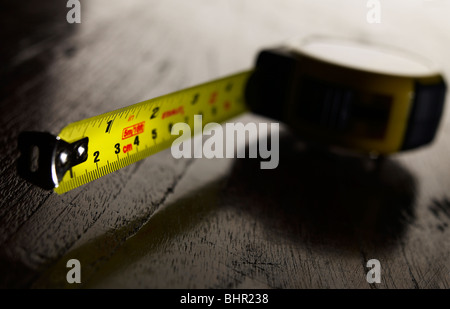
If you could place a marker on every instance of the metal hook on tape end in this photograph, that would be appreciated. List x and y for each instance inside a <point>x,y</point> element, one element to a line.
<point>46,158</point>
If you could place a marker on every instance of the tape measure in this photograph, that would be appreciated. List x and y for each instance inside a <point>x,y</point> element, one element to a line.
<point>320,92</point>
<point>88,149</point>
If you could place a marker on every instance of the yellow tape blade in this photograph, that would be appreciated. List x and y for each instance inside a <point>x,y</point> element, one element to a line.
<point>127,135</point>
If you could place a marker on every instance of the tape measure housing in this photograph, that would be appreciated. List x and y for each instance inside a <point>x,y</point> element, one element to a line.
<point>363,111</point>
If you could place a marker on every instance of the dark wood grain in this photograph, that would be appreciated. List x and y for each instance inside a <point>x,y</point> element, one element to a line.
<point>313,222</point>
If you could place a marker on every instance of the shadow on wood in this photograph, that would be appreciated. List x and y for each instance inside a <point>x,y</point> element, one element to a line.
<point>327,196</point>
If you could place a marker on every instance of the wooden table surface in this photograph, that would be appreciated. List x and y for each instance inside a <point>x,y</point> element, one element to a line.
<point>313,222</point>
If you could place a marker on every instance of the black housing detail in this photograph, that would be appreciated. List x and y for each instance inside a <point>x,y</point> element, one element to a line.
<point>425,116</point>
<point>269,87</point>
